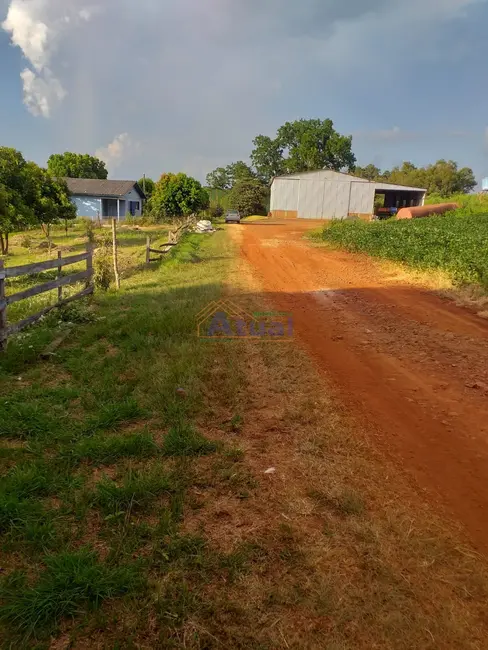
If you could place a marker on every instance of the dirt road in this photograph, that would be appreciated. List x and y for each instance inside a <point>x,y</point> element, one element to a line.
<point>410,366</point>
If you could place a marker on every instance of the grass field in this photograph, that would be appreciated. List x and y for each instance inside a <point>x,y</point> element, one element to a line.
<point>29,247</point>
<point>456,244</point>
<point>135,511</point>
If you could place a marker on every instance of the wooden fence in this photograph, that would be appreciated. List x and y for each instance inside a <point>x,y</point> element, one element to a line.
<point>58,283</point>
<point>174,237</point>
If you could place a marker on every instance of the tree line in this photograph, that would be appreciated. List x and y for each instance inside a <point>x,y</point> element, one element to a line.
<point>443,177</point>
<point>308,145</point>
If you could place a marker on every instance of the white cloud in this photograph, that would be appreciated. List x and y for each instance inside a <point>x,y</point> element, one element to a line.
<point>118,151</point>
<point>41,92</point>
<point>36,27</point>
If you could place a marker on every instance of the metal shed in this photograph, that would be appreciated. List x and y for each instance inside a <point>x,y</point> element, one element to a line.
<point>326,194</point>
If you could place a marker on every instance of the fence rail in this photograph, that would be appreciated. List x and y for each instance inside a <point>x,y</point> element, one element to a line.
<point>60,282</point>
<point>174,237</point>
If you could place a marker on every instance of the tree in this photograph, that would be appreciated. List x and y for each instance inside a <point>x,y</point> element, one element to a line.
<point>178,195</point>
<point>219,179</point>
<point>249,197</point>
<point>370,172</point>
<point>315,144</point>
<point>239,171</point>
<point>267,158</point>
<point>147,185</point>
<point>15,211</point>
<point>76,165</point>
<point>49,198</point>
<point>300,146</point>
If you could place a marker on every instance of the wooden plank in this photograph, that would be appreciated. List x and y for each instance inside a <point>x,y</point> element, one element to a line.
<point>89,263</point>
<point>54,345</point>
<point>158,251</point>
<point>48,286</point>
<point>59,276</point>
<point>38,267</point>
<point>17,327</point>
<point>3,312</point>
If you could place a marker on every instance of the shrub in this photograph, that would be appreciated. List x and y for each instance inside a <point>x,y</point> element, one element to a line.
<point>216,212</point>
<point>88,229</point>
<point>25,241</point>
<point>103,272</point>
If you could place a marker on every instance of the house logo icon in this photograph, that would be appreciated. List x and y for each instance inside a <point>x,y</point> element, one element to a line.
<point>226,320</point>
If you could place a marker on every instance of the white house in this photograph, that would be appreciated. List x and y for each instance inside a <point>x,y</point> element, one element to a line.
<point>326,194</point>
<point>106,199</point>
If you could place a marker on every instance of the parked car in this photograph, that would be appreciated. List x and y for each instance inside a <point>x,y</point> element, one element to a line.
<point>232,216</point>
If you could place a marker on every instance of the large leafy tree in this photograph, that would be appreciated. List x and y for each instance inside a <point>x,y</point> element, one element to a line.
<point>249,196</point>
<point>178,195</point>
<point>239,172</point>
<point>219,179</point>
<point>49,198</point>
<point>370,172</point>
<point>76,165</point>
<point>303,145</point>
<point>267,157</point>
<point>15,197</point>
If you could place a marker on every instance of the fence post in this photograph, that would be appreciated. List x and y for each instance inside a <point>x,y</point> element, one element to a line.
<point>3,309</point>
<point>116,261</point>
<point>89,264</point>
<point>148,252</point>
<point>60,289</point>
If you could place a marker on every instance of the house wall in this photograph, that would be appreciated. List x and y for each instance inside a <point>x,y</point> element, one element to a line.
<point>133,195</point>
<point>91,206</point>
<point>87,206</point>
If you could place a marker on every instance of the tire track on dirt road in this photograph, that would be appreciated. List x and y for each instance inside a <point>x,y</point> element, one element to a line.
<point>410,366</point>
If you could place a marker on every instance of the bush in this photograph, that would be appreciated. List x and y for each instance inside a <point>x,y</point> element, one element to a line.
<point>103,272</point>
<point>88,229</point>
<point>25,241</point>
<point>216,212</point>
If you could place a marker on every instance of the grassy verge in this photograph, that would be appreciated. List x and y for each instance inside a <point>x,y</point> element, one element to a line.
<point>452,243</point>
<point>135,511</point>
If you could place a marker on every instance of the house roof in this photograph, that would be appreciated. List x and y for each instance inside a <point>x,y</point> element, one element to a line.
<point>96,187</point>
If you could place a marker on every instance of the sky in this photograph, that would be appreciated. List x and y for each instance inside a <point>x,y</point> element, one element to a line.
<point>158,86</point>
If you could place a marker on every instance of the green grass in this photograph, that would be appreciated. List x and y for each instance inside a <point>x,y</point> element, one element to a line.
<point>106,450</point>
<point>453,243</point>
<point>183,440</point>
<point>137,489</point>
<point>109,393</point>
<point>70,583</point>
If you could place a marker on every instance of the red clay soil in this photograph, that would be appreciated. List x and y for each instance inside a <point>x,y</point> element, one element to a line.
<point>410,366</point>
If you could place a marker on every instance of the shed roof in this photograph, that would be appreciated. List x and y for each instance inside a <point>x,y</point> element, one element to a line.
<point>380,186</point>
<point>97,187</point>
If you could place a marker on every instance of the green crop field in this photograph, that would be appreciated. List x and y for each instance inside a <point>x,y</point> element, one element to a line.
<point>453,243</point>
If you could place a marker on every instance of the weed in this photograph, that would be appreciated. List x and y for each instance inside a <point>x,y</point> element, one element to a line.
<point>183,440</point>
<point>105,450</point>
<point>236,423</point>
<point>70,582</point>
<point>111,414</point>
<point>138,489</point>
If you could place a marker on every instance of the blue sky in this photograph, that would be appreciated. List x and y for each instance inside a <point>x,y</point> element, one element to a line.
<point>185,85</point>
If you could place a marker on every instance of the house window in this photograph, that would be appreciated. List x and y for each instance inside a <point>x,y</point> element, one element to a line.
<point>134,206</point>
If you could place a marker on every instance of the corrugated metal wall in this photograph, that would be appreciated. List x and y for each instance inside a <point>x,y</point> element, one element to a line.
<point>321,195</point>
<point>362,198</point>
